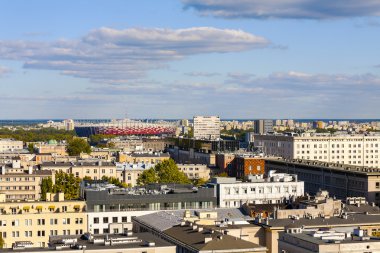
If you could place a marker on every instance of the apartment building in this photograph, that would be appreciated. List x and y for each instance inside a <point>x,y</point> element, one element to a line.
<point>51,147</point>
<point>263,126</point>
<point>17,183</point>
<point>276,188</point>
<point>33,222</point>
<point>152,158</point>
<point>195,171</point>
<point>358,150</point>
<point>93,169</point>
<point>339,180</point>
<point>246,165</point>
<point>206,127</point>
<point>10,145</point>
<point>129,172</point>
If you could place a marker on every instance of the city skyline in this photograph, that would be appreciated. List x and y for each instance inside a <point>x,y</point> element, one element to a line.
<point>177,59</point>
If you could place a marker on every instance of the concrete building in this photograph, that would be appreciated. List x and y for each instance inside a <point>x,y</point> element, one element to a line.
<point>276,188</point>
<point>129,172</point>
<point>219,230</point>
<point>339,180</point>
<point>224,161</point>
<point>296,239</point>
<point>358,150</point>
<point>10,145</point>
<point>206,127</point>
<point>95,170</point>
<point>128,243</point>
<point>51,147</point>
<point>195,171</point>
<point>143,157</point>
<point>19,184</point>
<point>244,166</point>
<point>34,221</point>
<point>69,124</point>
<point>263,126</point>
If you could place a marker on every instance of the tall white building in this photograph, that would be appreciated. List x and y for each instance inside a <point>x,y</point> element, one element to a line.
<point>276,188</point>
<point>69,124</point>
<point>207,127</point>
<point>361,150</point>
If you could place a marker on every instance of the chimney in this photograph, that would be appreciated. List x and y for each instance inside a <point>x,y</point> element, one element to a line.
<point>208,239</point>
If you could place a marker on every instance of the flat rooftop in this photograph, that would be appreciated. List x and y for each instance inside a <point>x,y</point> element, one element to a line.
<point>325,165</point>
<point>142,240</point>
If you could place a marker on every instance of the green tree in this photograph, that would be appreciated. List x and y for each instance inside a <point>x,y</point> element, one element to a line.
<point>68,184</point>
<point>148,177</point>
<point>199,181</point>
<point>1,241</point>
<point>164,172</point>
<point>77,146</point>
<point>46,186</point>
<point>115,181</point>
<point>31,148</point>
<point>223,174</point>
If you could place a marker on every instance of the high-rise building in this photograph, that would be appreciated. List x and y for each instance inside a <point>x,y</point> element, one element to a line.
<point>263,126</point>
<point>207,127</point>
<point>69,124</point>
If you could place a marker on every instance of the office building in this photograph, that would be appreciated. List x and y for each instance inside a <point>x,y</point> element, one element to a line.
<point>276,188</point>
<point>339,180</point>
<point>358,150</point>
<point>195,171</point>
<point>263,126</point>
<point>207,127</point>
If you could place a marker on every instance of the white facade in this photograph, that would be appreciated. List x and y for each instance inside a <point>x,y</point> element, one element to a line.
<point>274,189</point>
<point>10,145</point>
<point>112,222</point>
<point>358,150</point>
<point>207,127</point>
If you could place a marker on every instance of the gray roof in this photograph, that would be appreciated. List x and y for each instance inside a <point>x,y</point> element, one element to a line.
<point>352,220</point>
<point>166,219</point>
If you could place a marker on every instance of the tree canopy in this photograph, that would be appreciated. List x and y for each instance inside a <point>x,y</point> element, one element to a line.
<point>164,172</point>
<point>77,146</point>
<point>64,182</point>
<point>43,134</point>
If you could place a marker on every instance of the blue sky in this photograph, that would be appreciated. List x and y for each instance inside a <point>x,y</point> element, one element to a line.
<point>179,58</point>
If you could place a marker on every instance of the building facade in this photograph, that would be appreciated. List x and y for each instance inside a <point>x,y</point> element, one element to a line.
<point>358,150</point>
<point>276,188</point>
<point>195,171</point>
<point>35,221</point>
<point>263,126</point>
<point>10,145</point>
<point>339,180</point>
<point>207,127</point>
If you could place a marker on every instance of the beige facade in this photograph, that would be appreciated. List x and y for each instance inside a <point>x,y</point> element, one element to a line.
<point>10,145</point>
<point>195,171</point>
<point>45,148</point>
<point>94,170</point>
<point>152,158</point>
<point>36,221</point>
<point>207,127</point>
<point>19,184</point>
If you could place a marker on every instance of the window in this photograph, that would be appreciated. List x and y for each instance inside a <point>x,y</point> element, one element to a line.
<point>105,219</point>
<point>115,230</point>
<point>15,223</point>
<point>377,184</point>
<point>114,219</point>
<point>124,219</point>
<point>96,220</point>
<point>28,222</point>
<point>96,231</point>
<point>53,221</point>
<point>106,230</point>
<point>15,234</point>
<point>41,222</point>
<point>41,233</point>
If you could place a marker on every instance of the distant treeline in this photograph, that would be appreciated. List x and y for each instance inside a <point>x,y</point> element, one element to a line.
<point>43,134</point>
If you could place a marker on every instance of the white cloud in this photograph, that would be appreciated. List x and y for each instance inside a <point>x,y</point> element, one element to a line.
<point>294,9</point>
<point>117,56</point>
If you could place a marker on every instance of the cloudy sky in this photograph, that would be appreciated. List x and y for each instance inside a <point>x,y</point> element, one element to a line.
<point>179,58</point>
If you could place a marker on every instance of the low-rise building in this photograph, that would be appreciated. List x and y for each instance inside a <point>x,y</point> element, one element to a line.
<point>34,221</point>
<point>245,165</point>
<point>195,171</point>
<point>110,209</point>
<point>295,239</point>
<point>129,172</point>
<point>152,158</point>
<point>10,145</point>
<point>17,183</point>
<point>276,188</point>
<point>93,169</point>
